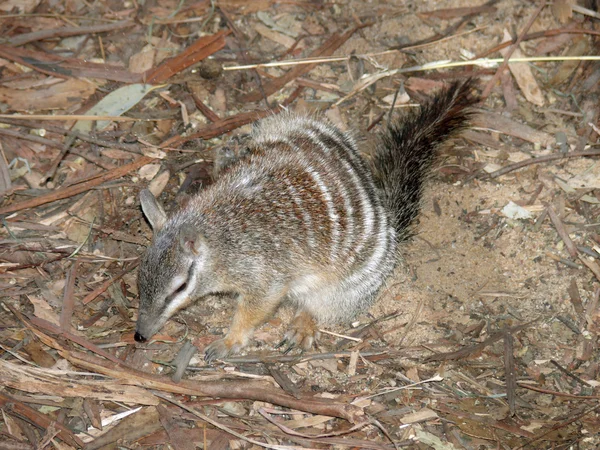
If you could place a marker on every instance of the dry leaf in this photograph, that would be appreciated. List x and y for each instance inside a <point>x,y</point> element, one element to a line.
<point>566,68</point>
<point>523,75</point>
<point>563,10</point>
<point>420,416</point>
<point>328,364</point>
<point>115,153</point>
<point>58,96</point>
<point>143,60</point>
<point>38,355</point>
<point>23,6</point>
<point>149,171</point>
<point>274,36</point>
<point>154,152</point>
<point>5,183</point>
<point>42,309</point>
<point>158,184</point>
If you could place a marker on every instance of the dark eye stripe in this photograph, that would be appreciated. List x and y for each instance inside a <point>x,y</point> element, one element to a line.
<point>183,285</point>
<point>181,288</point>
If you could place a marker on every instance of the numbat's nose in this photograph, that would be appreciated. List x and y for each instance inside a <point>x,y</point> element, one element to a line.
<point>139,338</point>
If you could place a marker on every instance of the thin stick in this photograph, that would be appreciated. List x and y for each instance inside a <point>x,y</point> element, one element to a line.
<point>334,42</point>
<point>447,38</point>
<point>539,34</point>
<point>68,298</point>
<point>562,232</point>
<point>542,159</point>
<point>220,426</point>
<point>585,11</point>
<point>25,38</point>
<point>96,292</point>
<point>558,426</point>
<point>433,379</point>
<point>428,66</point>
<point>331,333</point>
<point>68,117</point>
<point>511,50</point>
<point>83,186</point>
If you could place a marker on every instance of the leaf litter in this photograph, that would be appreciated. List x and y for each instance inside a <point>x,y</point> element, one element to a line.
<point>487,336</point>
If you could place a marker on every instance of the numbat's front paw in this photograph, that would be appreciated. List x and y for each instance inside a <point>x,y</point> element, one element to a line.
<point>220,349</point>
<point>303,333</point>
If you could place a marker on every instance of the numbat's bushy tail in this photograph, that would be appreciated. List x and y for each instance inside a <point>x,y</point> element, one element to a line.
<point>300,219</point>
<point>405,154</point>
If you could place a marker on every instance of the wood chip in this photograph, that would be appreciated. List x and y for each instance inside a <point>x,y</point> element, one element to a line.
<point>422,415</point>
<point>274,36</point>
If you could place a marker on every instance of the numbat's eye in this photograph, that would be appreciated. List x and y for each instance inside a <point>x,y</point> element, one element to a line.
<point>180,289</point>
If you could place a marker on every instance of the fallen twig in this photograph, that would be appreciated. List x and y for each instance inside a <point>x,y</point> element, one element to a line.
<point>249,390</point>
<point>82,186</point>
<point>61,67</point>
<point>102,288</point>
<point>220,426</point>
<point>511,50</point>
<point>40,35</point>
<point>541,159</point>
<point>451,29</point>
<point>328,47</point>
<point>466,351</point>
<point>558,426</point>
<point>218,128</point>
<point>562,232</point>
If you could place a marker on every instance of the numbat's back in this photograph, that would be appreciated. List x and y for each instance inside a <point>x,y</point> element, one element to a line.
<point>302,219</point>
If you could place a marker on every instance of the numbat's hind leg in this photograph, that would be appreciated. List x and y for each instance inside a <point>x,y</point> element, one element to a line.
<point>303,332</point>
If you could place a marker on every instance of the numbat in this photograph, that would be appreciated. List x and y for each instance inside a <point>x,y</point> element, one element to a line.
<point>302,219</point>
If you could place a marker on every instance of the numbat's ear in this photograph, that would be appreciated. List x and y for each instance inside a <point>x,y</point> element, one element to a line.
<point>191,240</point>
<point>153,211</point>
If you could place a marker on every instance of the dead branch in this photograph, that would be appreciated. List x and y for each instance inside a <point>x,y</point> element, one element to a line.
<point>82,186</point>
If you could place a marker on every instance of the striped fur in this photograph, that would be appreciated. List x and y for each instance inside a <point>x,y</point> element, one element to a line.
<point>302,220</point>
